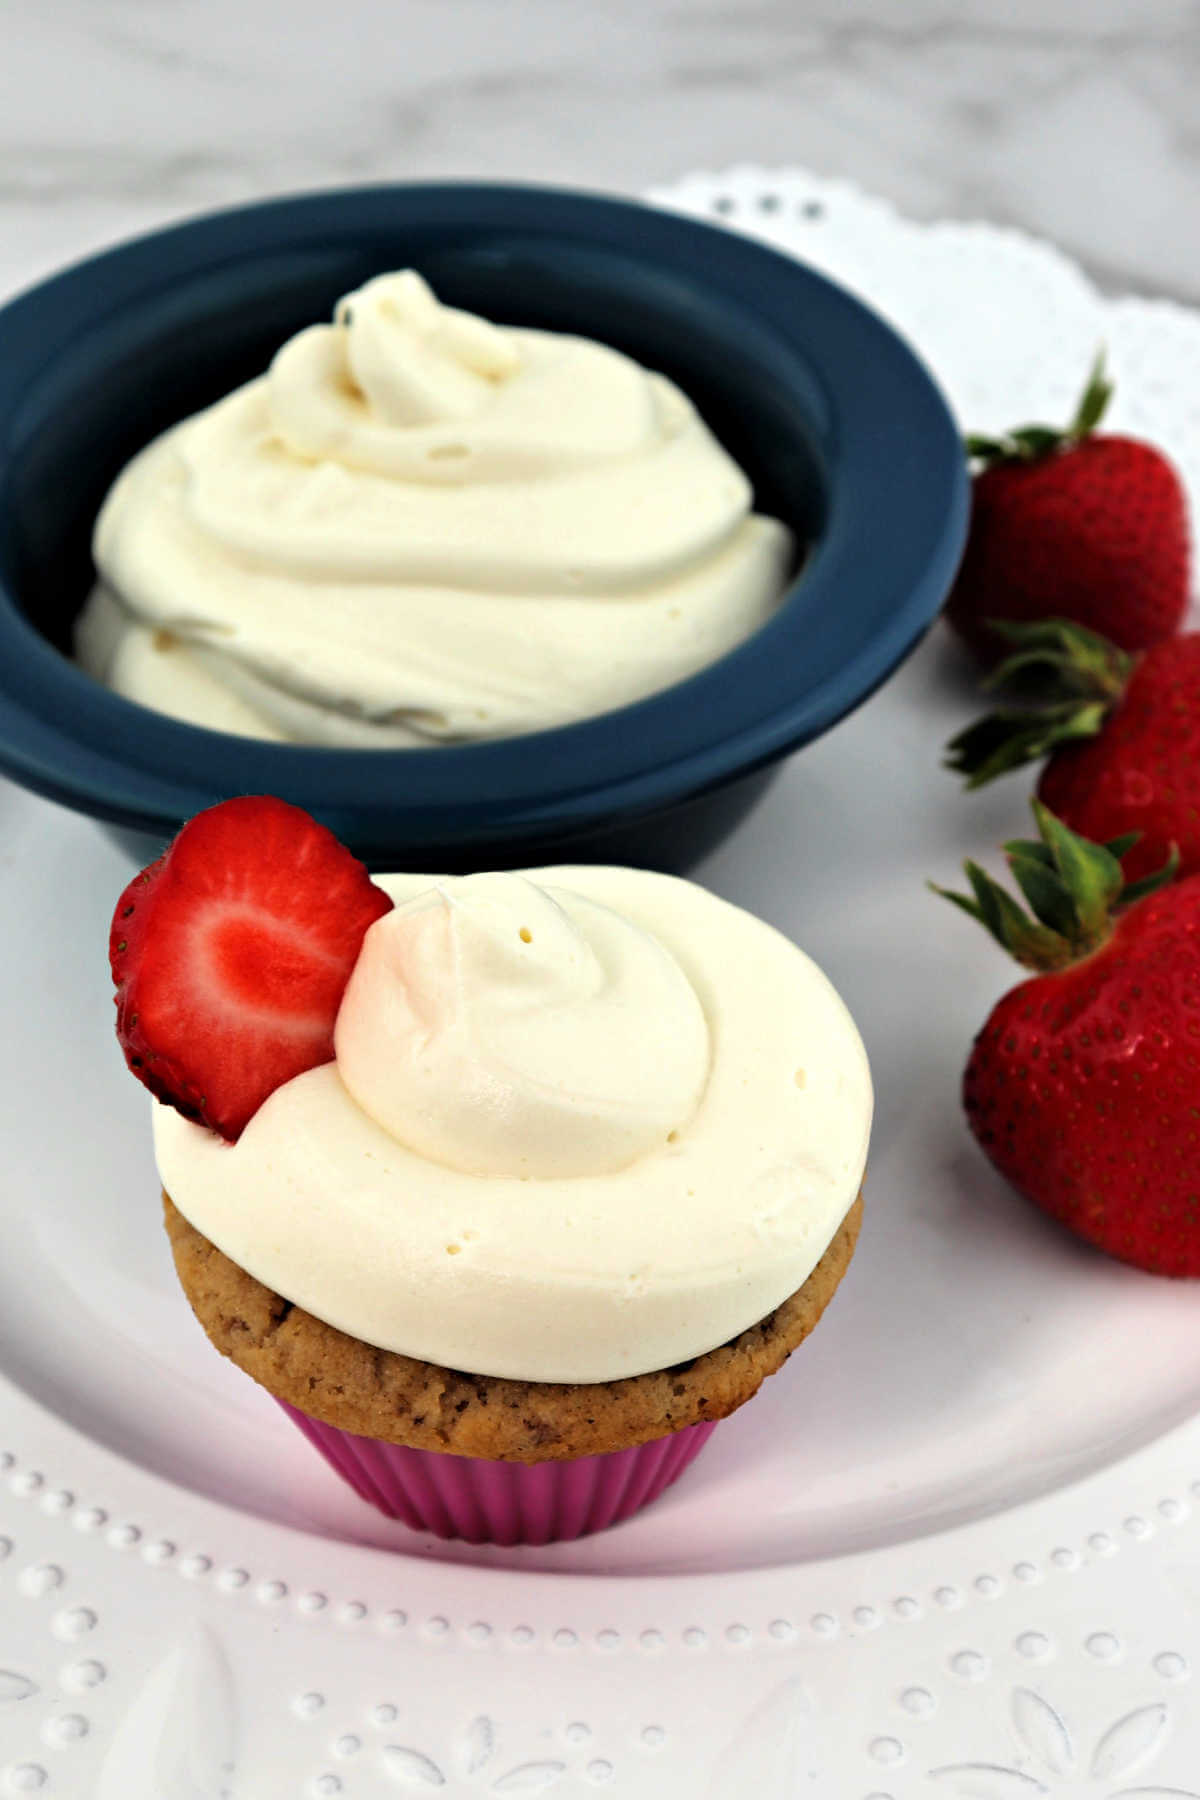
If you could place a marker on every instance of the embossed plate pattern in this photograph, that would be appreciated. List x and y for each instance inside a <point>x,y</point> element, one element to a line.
<point>952,1550</point>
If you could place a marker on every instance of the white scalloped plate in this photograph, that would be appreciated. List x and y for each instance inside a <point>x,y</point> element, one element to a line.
<point>949,1550</point>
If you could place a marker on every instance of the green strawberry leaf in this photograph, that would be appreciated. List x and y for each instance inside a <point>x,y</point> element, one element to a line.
<point>1094,404</point>
<point>988,898</point>
<point>987,449</point>
<point>1032,443</point>
<point>1058,687</point>
<point>1072,887</point>
<point>1150,884</point>
<point>1013,930</point>
<point>1009,739</point>
<point>1089,873</point>
<point>1068,658</point>
<point>1048,895</point>
<point>1119,846</point>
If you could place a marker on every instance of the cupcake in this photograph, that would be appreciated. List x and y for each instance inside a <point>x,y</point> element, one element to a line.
<point>507,1187</point>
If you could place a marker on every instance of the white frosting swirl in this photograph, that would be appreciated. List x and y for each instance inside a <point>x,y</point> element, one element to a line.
<point>507,1029</point>
<point>420,527</point>
<point>564,1276</point>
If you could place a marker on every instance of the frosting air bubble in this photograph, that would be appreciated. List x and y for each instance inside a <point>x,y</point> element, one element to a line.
<point>501,1028</point>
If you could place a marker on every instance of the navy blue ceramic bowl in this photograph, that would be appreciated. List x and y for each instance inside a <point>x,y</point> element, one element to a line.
<point>837,423</point>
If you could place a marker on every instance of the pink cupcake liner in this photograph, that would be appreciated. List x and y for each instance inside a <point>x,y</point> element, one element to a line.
<point>503,1503</point>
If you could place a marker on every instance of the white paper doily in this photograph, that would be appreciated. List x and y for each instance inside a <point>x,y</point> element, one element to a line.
<point>952,1550</point>
<point>1008,324</point>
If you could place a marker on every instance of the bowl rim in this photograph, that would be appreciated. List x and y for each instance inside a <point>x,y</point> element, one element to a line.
<point>66,736</point>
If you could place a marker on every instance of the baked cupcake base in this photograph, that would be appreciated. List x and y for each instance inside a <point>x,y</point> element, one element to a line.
<point>484,1457</point>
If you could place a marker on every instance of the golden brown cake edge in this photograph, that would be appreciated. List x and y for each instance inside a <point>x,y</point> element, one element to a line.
<point>382,1394</point>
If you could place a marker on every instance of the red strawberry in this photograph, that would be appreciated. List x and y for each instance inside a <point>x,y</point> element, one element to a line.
<point>1069,525</point>
<point>1083,1085</point>
<point>231,954</point>
<point>1122,734</point>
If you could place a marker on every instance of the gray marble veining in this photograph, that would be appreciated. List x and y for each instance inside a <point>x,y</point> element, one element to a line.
<point>1076,119</point>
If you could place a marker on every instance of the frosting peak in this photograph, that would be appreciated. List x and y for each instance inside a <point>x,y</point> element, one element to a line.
<point>395,354</point>
<point>403,387</point>
<point>505,1029</point>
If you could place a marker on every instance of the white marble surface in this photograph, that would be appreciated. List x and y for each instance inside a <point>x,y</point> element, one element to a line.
<point>1075,119</point>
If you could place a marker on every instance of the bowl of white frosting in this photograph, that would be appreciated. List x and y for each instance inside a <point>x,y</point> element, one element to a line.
<point>490,524</point>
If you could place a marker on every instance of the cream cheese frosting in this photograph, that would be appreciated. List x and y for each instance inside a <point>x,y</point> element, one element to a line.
<point>420,528</point>
<point>583,1123</point>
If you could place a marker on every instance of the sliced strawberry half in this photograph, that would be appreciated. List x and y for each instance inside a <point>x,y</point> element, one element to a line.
<point>231,954</point>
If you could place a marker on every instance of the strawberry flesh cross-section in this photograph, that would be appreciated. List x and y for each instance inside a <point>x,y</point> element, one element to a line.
<point>231,954</point>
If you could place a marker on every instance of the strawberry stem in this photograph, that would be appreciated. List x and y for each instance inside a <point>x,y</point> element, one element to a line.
<point>1094,402</point>
<point>1059,686</point>
<point>1073,889</point>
